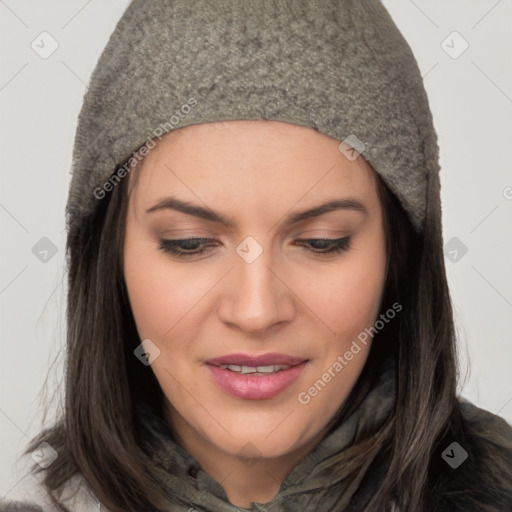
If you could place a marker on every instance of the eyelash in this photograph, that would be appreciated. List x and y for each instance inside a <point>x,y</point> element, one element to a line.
<point>338,245</point>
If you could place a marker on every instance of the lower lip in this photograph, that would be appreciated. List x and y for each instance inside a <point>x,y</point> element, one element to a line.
<point>253,387</point>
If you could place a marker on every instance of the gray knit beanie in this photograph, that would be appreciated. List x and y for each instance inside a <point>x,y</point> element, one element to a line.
<point>339,66</point>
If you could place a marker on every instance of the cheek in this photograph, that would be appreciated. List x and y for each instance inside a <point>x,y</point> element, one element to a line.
<point>153,309</point>
<point>358,299</point>
<point>347,295</point>
<point>159,296</point>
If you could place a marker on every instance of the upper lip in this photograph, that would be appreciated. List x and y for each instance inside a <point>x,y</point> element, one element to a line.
<point>252,360</point>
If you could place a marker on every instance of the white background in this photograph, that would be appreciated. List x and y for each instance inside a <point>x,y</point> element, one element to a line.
<point>471,101</point>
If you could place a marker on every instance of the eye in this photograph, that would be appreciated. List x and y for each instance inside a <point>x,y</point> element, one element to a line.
<point>328,245</point>
<point>184,247</point>
<point>188,247</point>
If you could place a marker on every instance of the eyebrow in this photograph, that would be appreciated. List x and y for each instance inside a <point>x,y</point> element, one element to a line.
<point>173,203</point>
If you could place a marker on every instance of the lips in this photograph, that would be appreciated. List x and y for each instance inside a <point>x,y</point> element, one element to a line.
<point>229,373</point>
<point>255,361</point>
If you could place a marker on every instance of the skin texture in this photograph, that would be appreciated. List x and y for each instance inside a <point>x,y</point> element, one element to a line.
<point>289,299</point>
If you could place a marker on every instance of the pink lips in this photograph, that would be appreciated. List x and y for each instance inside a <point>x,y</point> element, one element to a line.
<point>254,387</point>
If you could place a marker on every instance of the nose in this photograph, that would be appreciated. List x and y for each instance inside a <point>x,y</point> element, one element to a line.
<point>256,299</point>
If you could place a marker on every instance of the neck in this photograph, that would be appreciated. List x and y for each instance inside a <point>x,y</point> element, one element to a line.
<point>244,479</point>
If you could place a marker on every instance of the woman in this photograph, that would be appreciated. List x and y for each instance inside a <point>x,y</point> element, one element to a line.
<point>258,312</point>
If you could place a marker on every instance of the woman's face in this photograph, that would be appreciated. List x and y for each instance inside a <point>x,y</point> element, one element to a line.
<point>261,286</point>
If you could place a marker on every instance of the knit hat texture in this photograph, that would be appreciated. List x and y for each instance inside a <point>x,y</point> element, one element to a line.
<point>341,67</point>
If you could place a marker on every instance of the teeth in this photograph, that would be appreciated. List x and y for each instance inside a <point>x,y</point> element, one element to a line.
<point>255,369</point>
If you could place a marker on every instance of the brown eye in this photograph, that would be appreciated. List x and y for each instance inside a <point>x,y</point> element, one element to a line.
<point>184,247</point>
<point>328,245</point>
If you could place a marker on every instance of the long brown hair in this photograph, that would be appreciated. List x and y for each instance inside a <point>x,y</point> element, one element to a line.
<point>97,434</point>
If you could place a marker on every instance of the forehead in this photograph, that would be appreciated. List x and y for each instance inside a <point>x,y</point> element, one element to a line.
<point>243,161</point>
